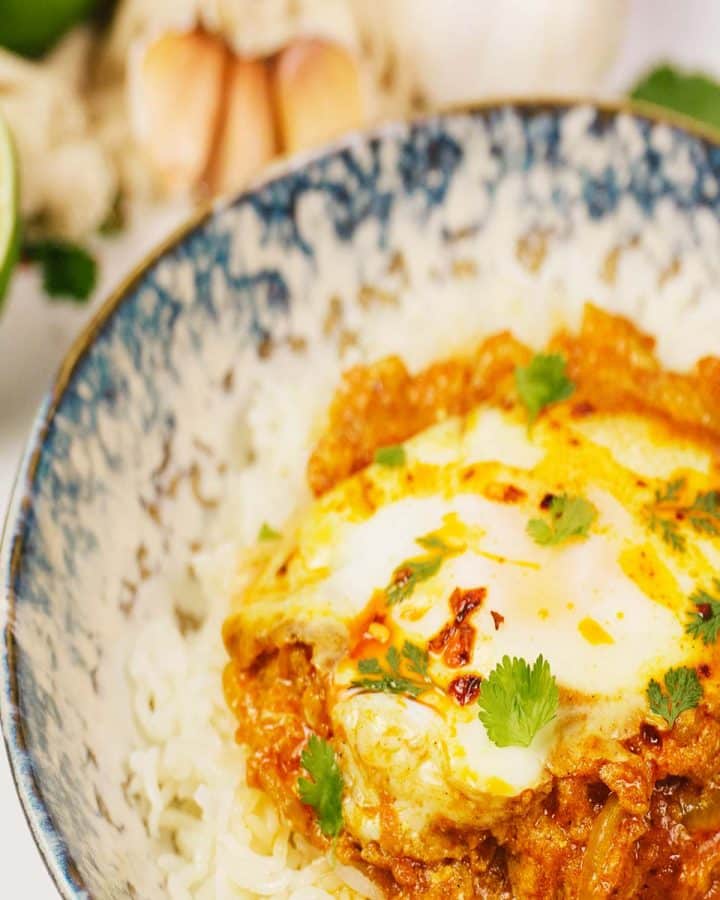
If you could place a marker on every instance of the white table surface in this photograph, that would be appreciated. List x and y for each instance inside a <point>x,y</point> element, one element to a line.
<point>34,334</point>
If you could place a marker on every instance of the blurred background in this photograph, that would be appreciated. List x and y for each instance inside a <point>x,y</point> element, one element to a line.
<point>118,118</point>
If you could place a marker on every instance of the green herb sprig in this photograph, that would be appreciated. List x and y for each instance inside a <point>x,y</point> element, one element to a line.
<point>68,270</point>
<point>412,572</point>
<point>683,691</point>
<point>393,457</point>
<point>404,672</point>
<point>517,700</point>
<point>324,792</point>
<point>569,517</point>
<point>542,383</point>
<point>666,514</point>
<point>704,620</point>
<point>693,95</point>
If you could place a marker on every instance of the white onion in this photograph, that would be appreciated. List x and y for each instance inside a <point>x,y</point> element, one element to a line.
<point>466,49</point>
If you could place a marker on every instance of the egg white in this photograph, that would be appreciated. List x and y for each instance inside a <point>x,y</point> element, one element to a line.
<point>607,611</point>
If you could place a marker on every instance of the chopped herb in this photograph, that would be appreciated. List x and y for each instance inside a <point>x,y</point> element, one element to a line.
<point>704,621</point>
<point>68,269</point>
<point>391,679</point>
<point>669,531</point>
<point>684,691</point>
<point>417,658</point>
<point>704,513</point>
<point>666,514</point>
<point>671,491</point>
<point>324,792</point>
<point>393,457</point>
<point>268,533</point>
<point>543,382</point>
<point>433,541</point>
<point>516,701</point>
<point>410,573</point>
<point>407,576</point>
<point>693,95</point>
<point>569,517</point>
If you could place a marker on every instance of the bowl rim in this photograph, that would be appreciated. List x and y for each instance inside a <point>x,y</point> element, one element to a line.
<point>49,841</point>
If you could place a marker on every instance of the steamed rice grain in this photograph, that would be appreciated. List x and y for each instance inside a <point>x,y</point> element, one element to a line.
<point>220,838</point>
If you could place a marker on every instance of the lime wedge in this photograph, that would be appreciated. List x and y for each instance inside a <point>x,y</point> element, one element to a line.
<point>31,27</point>
<point>9,207</point>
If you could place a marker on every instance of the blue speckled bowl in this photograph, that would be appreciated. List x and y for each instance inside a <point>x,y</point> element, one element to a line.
<point>581,201</point>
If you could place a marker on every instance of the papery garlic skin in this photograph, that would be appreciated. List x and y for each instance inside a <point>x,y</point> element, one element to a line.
<point>67,176</point>
<point>250,27</point>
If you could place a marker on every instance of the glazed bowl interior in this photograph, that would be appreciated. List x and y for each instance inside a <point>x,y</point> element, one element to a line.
<point>522,205</point>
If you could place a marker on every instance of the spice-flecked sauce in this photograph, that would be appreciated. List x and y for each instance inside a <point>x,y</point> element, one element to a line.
<point>647,824</point>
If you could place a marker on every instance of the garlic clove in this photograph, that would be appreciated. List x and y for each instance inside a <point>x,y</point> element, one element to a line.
<point>246,136</point>
<point>178,91</point>
<point>317,93</point>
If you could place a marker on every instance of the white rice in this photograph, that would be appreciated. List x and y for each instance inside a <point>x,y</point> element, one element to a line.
<point>222,839</point>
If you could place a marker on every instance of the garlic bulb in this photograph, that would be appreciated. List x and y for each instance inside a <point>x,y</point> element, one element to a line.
<point>66,175</point>
<point>250,27</point>
<point>216,88</point>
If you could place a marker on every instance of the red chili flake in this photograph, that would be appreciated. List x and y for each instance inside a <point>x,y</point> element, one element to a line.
<point>465,689</point>
<point>458,652</point>
<point>498,619</point>
<point>440,641</point>
<point>504,493</point>
<point>512,494</point>
<point>581,409</point>
<point>704,611</point>
<point>455,641</point>
<point>546,501</point>
<point>650,735</point>
<point>704,670</point>
<point>402,576</point>
<point>462,603</point>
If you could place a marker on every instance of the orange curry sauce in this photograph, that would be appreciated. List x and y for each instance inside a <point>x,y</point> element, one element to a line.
<point>649,827</point>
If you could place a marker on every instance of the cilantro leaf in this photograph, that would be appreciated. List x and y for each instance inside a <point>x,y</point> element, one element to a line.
<point>417,658</point>
<point>543,382</point>
<point>393,457</point>
<point>324,792</point>
<point>407,576</point>
<point>68,269</point>
<point>704,513</point>
<point>516,701</point>
<point>670,493</point>
<point>370,666</point>
<point>569,517</point>
<point>692,95</point>
<point>666,514</point>
<point>433,541</point>
<point>704,621</point>
<point>669,531</point>
<point>684,691</point>
<point>391,679</point>
<point>410,573</point>
<point>268,533</point>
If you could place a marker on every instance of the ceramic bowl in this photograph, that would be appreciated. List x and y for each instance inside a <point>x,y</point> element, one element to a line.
<point>546,199</point>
